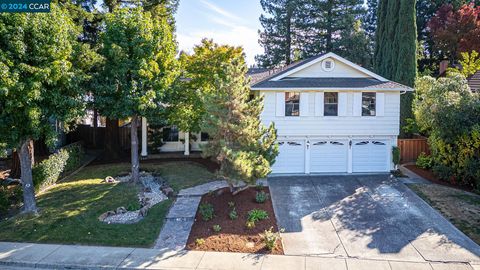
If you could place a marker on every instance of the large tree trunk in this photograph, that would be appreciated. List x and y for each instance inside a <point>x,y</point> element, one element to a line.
<point>112,140</point>
<point>15,168</point>
<point>95,128</point>
<point>25,154</point>
<point>134,149</point>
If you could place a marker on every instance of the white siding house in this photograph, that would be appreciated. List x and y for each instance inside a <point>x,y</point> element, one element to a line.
<point>331,115</point>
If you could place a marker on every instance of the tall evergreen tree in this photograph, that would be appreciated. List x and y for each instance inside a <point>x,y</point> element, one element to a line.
<point>324,25</point>
<point>369,20</point>
<point>278,35</point>
<point>244,148</point>
<point>395,53</point>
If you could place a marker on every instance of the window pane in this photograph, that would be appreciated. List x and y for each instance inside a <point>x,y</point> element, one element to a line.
<point>330,107</point>
<point>292,104</point>
<point>204,137</point>
<point>170,134</point>
<point>368,104</point>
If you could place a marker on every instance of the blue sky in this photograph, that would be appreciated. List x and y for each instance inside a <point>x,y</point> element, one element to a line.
<point>233,22</point>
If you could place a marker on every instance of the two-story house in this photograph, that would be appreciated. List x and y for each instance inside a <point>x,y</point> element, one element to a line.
<point>331,115</point>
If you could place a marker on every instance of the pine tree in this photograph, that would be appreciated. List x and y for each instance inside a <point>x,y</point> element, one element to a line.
<point>369,20</point>
<point>278,35</point>
<point>396,49</point>
<point>244,148</point>
<point>324,25</point>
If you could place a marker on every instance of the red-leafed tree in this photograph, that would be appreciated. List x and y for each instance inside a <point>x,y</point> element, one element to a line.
<point>456,31</point>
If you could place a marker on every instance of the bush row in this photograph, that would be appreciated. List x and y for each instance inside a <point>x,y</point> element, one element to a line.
<point>64,161</point>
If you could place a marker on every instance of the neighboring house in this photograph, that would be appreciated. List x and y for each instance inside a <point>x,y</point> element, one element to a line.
<point>474,82</point>
<point>332,116</point>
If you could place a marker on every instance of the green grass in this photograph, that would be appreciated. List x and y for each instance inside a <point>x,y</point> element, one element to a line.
<point>69,211</point>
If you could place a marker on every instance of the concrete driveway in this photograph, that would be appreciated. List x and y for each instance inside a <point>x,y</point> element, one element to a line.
<point>364,216</point>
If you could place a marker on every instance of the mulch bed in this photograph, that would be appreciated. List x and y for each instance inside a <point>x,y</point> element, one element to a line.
<point>430,176</point>
<point>234,236</point>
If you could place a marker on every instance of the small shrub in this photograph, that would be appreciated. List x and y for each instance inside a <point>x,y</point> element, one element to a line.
<point>250,224</point>
<point>206,211</point>
<point>199,241</point>
<point>270,238</point>
<point>216,228</point>
<point>233,214</point>
<point>10,196</point>
<point>133,206</point>
<point>261,197</point>
<point>257,215</point>
<point>231,204</point>
<point>259,186</point>
<point>424,161</point>
<point>395,156</point>
<point>50,170</point>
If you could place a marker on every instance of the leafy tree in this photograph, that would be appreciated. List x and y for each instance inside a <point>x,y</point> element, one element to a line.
<point>278,35</point>
<point>448,112</point>
<point>186,108</point>
<point>455,31</point>
<point>140,66</point>
<point>244,148</point>
<point>469,64</point>
<point>396,48</point>
<point>38,83</point>
<point>369,20</point>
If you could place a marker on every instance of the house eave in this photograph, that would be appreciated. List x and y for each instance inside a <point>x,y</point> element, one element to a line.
<point>330,89</point>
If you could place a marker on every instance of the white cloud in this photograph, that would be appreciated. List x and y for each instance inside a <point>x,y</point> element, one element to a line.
<point>236,36</point>
<point>221,11</point>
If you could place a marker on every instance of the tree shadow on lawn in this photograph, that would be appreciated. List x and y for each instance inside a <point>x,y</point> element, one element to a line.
<point>69,215</point>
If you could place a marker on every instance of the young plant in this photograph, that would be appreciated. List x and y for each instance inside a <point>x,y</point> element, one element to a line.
<point>250,224</point>
<point>261,197</point>
<point>233,214</point>
<point>259,186</point>
<point>199,241</point>
<point>216,228</point>
<point>206,211</point>
<point>231,204</point>
<point>257,215</point>
<point>270,238</point>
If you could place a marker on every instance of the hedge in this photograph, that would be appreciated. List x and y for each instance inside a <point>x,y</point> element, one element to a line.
<point>64,161</point>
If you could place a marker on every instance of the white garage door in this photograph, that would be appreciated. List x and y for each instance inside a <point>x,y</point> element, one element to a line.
<point>328,156</point>
<point>370,156</point>
<point>291,157</point>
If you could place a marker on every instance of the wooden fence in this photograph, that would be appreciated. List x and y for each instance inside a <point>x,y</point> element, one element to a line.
<point>86,134</point>
<point>410,149</point>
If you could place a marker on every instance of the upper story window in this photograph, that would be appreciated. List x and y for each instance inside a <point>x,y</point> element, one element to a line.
<point>330,104</point>
<point>292,104</point>
<point>170,134</point>
<point>368,104</point>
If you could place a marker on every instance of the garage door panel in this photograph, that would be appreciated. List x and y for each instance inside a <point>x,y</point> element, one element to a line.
<point>291,157</point>
<point>328,156</point>
<point>370,156</point>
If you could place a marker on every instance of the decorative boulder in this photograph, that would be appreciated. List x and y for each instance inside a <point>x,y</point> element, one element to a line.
<point>169,192</point>
<point>109,179</point>
<point>143,211</point>
<point>103,216</point>
<point>121,210</point>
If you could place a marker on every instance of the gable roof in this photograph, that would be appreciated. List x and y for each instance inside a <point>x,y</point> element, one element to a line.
<point>278,78</point>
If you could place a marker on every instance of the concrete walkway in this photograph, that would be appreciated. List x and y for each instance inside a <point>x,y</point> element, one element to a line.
<point>42,256</point>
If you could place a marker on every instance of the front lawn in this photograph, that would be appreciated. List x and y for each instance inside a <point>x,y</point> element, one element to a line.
<point>70,210</point>
<point>462,208</point>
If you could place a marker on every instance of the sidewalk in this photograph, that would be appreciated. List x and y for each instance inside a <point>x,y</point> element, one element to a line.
<point>43,256</point>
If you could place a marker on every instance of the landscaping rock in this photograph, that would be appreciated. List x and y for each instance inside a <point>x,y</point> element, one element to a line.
<point>121,210</point>
<point>109,179</point>
<point>150,196</point>
<point>169,192</point>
